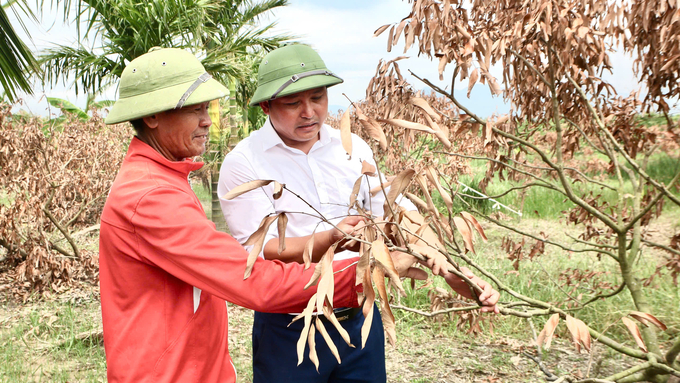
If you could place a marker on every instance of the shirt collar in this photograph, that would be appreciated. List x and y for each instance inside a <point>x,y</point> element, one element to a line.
<point>139,149</point>
<point>269,138</point>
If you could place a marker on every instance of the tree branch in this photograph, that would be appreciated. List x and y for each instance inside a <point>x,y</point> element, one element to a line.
<point>70,240</point>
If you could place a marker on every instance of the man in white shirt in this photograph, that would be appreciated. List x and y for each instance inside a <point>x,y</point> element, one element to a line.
<point>296,148</point>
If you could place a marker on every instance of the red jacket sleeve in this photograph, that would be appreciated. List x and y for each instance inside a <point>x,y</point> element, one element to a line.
<point>173,233</point>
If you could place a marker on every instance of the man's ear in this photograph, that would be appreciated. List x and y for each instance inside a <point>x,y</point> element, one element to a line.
<point>265,107</point>
<point>151,121</point>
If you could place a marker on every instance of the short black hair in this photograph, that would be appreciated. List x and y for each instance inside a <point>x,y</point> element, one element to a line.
<point>139,125</point>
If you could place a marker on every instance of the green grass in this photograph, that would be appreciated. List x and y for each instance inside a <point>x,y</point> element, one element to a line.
<point>46,343</point>
<point>540,279</point>
<point>540,202</point>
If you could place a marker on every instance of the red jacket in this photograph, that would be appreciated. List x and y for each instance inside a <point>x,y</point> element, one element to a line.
<point>156,250</point>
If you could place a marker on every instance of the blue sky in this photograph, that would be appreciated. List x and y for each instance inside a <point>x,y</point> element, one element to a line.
<point>342,32</point>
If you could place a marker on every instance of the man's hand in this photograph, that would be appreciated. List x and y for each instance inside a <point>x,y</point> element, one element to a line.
<point>489,296</point>
<point>349,225</point>
<point>437,262</point>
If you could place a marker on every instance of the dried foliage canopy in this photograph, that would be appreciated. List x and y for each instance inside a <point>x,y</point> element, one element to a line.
<point>53,184</point>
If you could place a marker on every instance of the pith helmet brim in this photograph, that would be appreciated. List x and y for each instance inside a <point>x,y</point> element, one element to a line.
<point>132,108</point>
<point>291,69</point>
<point>156,81</point>
<point>263,93</point>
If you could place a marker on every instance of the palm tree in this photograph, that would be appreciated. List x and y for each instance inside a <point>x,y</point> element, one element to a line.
<point>16,60</point>
<point>225,33</point>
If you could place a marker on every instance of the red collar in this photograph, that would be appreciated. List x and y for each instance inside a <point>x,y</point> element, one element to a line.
<point>140,150</point>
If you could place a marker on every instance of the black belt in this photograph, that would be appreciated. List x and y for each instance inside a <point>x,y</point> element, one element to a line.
<point>343,314</point>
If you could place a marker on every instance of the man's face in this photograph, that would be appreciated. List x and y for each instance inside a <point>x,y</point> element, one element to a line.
<point>298,117</point>
<point>181,133</point>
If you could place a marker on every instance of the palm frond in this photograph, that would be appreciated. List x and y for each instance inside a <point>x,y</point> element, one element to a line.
<point>16,60</point>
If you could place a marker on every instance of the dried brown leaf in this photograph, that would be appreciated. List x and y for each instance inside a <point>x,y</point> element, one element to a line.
<point>546,334</point>
<point>399,184</point>
<point>425,106</point>
<point>474,223</point>
<point>311,342</point>
<point>474,76</point>
<point>645,319</point>
<point>257,240</point>
<point>245,188</point>
<point>369,305</point>
<point>635,332</point>
<point>282,223</point>
<point>368,169</point>
<point>380,30</point>
<point>329,341</point>
<point>465,231</point>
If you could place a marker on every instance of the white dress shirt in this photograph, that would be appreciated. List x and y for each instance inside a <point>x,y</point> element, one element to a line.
<point>324,178</point>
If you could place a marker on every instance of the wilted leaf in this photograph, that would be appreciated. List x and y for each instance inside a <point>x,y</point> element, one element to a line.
<point>245,188</point>
<point>372,128</point>
<point>425,106</point>
<point>645,319</point>
<point>472,220</point>
<point>308,251</point>
<point>307,314</point>
<point>326,286</point>
<point>579,333</point>
<point>362,266</point>
<point>368,307</point>
<point>278,190</point>
<point>282,222</point>
<point>346,133</point>
<point>257,240</point>
<point>311,342</point>
<point>416,201</point>
<point>380,30</point>
<point>465,232</point>
<point>546,334</point>
<point>474,76</point>
<point>355,192</point>
<point>387,316</point>
<point>382,256</point>
<point>434,179</point>
<point>399,184</point>
<point>329,341</point>
<point>328,313</point>
<point>368,169</point>
<point>407,125</point>
<point>315,276</point>
<point>635,332</point>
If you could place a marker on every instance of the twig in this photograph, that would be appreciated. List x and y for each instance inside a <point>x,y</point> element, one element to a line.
<point>547,241</point>
<point>435,313</point>
<point>549,376</point>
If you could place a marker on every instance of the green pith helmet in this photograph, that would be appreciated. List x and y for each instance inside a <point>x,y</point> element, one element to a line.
<point>291,69</point>
<point>163,79</point>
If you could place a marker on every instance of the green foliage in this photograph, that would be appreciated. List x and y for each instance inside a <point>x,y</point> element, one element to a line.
<point>68,108</point>
<point>17,63</point>
<point>224,33</point>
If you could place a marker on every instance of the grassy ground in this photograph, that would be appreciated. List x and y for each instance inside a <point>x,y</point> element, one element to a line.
<point>58,339</point>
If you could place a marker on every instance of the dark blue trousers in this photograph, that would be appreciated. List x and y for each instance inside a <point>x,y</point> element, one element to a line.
<point>275,352</point>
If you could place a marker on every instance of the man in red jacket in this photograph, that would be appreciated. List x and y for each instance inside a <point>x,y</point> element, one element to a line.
<point>165,272</point>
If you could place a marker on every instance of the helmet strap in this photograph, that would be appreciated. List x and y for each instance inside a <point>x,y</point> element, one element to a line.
<point>296,77</point>
<point>200,80</point>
